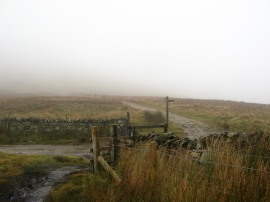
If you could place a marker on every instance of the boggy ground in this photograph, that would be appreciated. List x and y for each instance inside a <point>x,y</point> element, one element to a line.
<point>35,189</point>
<point>41,167</point>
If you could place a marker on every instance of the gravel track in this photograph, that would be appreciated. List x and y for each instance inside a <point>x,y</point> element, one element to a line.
<point>192,128</point>
<point>51,150</point>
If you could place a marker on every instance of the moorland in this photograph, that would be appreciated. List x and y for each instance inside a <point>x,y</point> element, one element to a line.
<point>228,174</point>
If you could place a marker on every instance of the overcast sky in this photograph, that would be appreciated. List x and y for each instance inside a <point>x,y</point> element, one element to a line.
<point>208,49</point>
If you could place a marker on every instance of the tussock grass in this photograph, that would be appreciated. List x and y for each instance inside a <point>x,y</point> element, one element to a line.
<point>222,174</point>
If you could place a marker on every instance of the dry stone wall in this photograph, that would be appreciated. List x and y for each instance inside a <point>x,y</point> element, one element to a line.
<point>21,126</point>
<point>169,140</point>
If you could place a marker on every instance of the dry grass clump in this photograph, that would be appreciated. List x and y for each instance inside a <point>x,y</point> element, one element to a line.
<point>223,174</point>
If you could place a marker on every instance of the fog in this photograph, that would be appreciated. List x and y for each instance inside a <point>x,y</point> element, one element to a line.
<point>188,49</point>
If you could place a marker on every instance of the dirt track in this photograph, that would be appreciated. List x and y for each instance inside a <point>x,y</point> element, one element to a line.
<point>52,150</point>
<point>192,128</point>
<point>41,186</point>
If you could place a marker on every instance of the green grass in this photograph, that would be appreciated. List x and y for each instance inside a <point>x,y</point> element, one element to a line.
<point>82,187</point>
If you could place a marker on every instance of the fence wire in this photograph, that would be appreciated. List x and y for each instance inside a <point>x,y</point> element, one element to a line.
<point>191,182</point>
<point>168,153</point>
<point>203,161</point>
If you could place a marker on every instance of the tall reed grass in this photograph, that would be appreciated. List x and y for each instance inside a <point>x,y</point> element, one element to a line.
<point>222,174</point>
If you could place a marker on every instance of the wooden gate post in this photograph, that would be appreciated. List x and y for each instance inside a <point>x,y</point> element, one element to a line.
<point>165,128</point>
<point>167,113</point>
<point>95,145</point>
<point>115,146</point>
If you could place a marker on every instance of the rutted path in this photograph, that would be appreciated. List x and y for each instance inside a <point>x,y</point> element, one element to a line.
<point>192,128</point>
<point>42,187</point>
<point>35,189</point>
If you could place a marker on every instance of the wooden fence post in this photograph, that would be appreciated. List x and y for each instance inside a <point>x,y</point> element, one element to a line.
<point>115,146</point>
<point>133,135</point>
<point>128,124</point>
<point>8,117</point>
<point>95,145</point>
<point>165,129</point>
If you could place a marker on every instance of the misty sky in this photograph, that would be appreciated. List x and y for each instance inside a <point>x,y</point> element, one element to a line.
<point>210,49</point>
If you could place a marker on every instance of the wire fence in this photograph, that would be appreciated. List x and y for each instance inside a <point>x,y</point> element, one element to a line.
<point>198,173</point>
<point>222,160</point>
<point>199,160</point>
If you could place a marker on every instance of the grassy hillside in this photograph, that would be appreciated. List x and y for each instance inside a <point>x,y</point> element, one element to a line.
<point>71,107</point>
<point>94,107</point>
<point>224,115</point>
<point>90,107</point>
